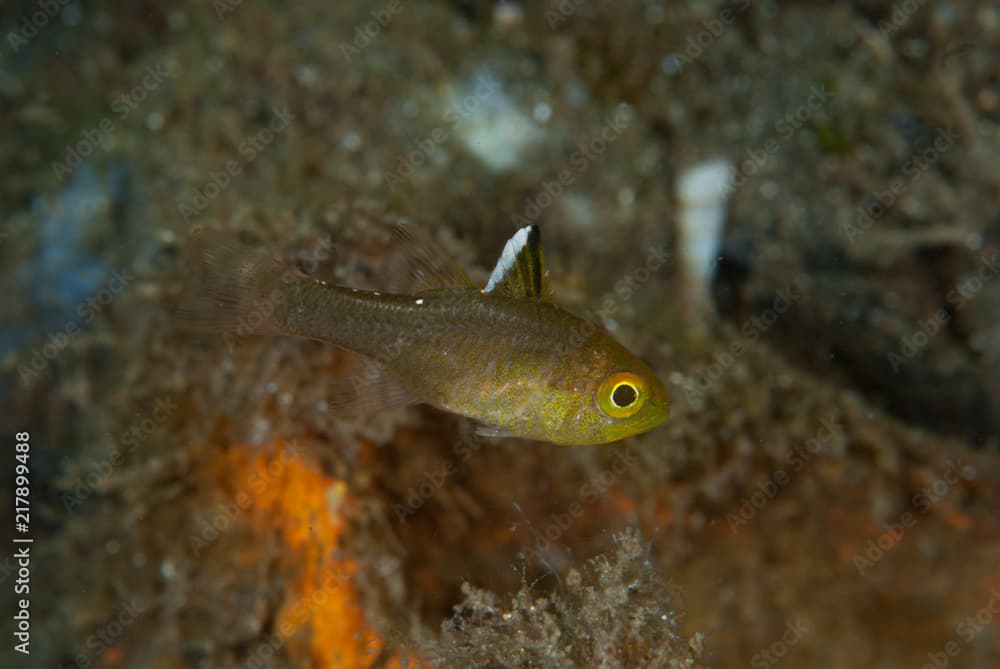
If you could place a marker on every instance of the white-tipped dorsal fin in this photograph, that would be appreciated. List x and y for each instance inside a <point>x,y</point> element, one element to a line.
<point>520,271</point>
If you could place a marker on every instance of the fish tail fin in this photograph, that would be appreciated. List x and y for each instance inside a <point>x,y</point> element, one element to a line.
<point>231,289</point>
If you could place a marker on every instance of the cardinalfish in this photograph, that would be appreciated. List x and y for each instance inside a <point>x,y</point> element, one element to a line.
<point>503,355</point>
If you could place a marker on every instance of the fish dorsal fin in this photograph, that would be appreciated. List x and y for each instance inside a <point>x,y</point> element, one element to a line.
<point>424,265</point>
<point>520,272</point>
<point>364,388</point>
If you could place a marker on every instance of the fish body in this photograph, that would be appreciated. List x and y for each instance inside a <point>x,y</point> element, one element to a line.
<point>504,355</point>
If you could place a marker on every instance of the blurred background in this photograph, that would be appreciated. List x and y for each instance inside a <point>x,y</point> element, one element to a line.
<point>788,209</point>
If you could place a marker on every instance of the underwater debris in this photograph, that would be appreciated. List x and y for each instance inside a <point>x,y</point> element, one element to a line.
<point>489,124</point>
<point>702,190</point>
<point>617,613</point>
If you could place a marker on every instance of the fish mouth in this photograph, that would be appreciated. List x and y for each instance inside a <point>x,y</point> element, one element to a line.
<point>651,422</point>
<point>654,417</point>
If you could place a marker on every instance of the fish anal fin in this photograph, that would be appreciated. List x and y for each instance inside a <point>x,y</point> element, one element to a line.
<point>520,271</point>
<point>364,388</point>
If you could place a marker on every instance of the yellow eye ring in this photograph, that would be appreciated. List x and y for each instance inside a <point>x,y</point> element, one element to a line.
<point>621,395</point>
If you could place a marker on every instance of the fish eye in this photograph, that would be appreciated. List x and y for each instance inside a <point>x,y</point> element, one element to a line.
<point>621,395</point>
<point>624,395</point>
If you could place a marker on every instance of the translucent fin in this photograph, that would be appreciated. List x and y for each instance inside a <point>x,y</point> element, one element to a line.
<point>520,272</point>
<point>484,430</point>
<point>229,288</point>
<point>364,389</point>
<point>424,264</point>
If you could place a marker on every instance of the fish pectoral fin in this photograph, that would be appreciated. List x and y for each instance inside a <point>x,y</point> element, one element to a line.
<point>520,271</point>
<point>423,265</point>
<point>364,389</point>
<point>495,431</point>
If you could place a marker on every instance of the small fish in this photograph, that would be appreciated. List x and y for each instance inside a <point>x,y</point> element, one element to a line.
<point>503,355</point>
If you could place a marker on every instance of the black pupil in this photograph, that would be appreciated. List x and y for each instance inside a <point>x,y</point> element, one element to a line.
<point>624,395</point>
